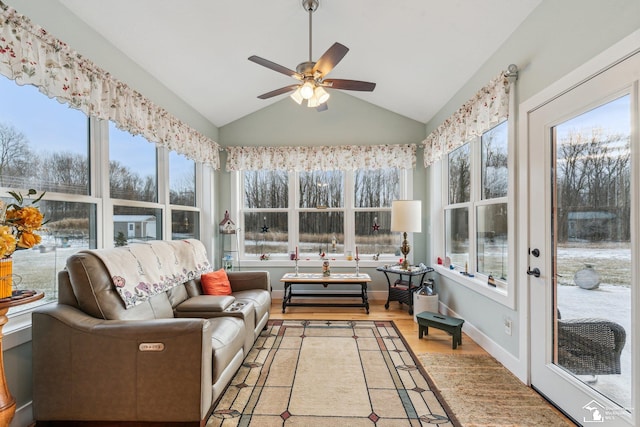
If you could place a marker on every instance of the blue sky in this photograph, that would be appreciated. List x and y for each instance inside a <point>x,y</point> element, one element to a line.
<point>47,124</point>
<point>51,126</point>
<point>614,117</point>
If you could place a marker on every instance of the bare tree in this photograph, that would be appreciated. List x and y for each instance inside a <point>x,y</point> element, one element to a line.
<point>593,175</point>
<point>16,159</point>
<point>127,184</point>
<point>459,175</point>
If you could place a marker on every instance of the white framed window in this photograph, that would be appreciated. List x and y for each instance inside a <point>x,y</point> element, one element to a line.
<point>476,209</point>
<point>104,187</point>
<point>320,212</point>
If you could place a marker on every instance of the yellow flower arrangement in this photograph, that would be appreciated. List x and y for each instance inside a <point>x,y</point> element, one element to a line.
<point>19,223</point>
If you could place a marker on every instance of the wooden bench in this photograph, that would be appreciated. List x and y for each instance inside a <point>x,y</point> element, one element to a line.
<point>448,324</point>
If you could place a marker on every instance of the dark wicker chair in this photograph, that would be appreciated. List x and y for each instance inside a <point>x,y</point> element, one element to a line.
<point>590,346</point>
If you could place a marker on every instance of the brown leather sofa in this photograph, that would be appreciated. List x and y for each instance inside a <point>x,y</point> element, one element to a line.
<point>162,362</point>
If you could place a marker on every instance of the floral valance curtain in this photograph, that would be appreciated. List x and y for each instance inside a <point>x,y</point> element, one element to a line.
<point>346,157</point>
<point>486,109</point>
<point>29,55</point>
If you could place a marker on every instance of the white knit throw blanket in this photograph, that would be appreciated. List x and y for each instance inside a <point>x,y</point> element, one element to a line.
<point>141,270</point>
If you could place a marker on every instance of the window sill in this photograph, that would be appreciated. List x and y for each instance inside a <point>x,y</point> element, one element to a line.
<point>314,263</point>
<point>499,294</point>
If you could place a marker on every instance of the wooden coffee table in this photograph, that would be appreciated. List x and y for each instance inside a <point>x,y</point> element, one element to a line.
<point>334,280</point>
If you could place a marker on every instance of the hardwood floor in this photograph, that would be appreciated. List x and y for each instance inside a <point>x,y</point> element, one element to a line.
<point>437,341</point>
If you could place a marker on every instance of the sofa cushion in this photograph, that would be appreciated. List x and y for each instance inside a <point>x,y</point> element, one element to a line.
<point>228,336</point>
<point>216,283</point>
<point>177,295</point>
<point>203,304</point>
<point>261,301</point>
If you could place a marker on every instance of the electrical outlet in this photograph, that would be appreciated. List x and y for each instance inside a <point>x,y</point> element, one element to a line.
<point>507,326</point>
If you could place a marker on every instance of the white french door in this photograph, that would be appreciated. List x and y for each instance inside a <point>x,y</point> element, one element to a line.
<point>583,239</point>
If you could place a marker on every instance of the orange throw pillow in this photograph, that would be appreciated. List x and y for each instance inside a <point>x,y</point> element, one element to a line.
<point>216,283</point>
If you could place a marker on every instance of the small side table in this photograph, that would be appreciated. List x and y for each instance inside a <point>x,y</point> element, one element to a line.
<point>7,402</point>
<point>403,288</point>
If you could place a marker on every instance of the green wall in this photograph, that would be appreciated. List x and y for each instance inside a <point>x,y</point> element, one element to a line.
<point>349,120</point>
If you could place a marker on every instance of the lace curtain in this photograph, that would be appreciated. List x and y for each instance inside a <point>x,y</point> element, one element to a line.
<point>347,157</point>
<point>29,55</point>
<point>486,109</point>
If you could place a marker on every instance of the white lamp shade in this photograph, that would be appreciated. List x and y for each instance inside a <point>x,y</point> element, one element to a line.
<point>321,94</point>
<point>307,90</point>
<point>296,96</point>
<point>313,102</point>
<point>406,215</point>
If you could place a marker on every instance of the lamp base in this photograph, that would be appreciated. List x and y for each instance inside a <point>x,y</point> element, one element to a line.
<point>405,249</point>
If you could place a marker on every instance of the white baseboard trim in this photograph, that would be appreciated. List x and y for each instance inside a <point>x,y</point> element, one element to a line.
<point>23,416</point>
<point>509,361</point>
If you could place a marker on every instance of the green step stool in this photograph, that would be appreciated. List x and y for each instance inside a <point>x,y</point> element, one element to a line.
<point>449,324</point>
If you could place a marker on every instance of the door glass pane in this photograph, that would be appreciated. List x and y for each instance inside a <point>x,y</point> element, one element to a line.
<point>592,253</point>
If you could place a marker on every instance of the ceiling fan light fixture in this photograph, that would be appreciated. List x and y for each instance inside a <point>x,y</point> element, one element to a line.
<point>321,95</point>
<point>312,74</point>
<point>297,96</point>
<point>307,89</point>
<point>313,102</point>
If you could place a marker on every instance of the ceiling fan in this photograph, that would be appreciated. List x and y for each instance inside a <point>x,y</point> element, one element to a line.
<point>312,75</point>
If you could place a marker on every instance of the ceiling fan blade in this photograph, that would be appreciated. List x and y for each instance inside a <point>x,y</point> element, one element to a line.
<point>349,85</point>
<point>330,58</point>
<point>278,91</point>
<point>275,67</point>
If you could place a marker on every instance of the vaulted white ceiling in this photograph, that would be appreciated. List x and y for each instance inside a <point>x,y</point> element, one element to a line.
<point>418,52</point>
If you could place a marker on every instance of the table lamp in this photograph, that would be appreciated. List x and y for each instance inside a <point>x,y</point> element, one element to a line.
<point>406,217</point>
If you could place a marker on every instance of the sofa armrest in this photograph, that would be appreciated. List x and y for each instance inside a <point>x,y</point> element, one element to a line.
<point>92,369</point>
<point>246,280</point>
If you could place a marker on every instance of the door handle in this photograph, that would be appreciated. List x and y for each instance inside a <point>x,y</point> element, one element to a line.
<point>535,272</point>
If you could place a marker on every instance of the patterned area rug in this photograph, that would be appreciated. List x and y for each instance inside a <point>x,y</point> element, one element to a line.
<point>482,392</point>
<point>331,373</point>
